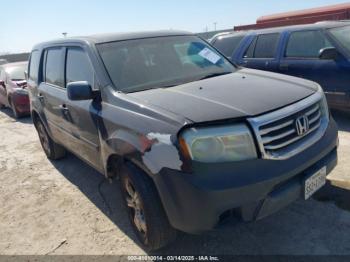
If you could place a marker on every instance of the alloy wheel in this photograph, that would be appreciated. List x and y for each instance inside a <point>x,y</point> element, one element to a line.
<point>44,139</point>
<point>135,208</point>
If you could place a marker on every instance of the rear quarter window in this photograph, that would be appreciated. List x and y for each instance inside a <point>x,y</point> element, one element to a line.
<point>33,69</point>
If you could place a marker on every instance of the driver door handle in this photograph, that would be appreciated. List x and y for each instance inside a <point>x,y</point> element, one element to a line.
<point>64,108</point>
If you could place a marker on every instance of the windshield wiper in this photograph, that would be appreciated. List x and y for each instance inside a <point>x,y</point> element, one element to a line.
<point>214,75</point>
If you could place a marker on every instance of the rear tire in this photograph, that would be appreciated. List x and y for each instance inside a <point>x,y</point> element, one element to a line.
<point>52,150</point>
<point>145,209</point>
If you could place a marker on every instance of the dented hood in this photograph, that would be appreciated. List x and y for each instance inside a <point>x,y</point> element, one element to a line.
<point>244,93</point>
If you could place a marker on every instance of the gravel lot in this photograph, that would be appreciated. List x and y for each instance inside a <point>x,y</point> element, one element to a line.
<point>66,207</point>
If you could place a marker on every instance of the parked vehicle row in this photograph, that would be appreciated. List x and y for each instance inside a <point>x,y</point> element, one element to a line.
<point>319,52</point>
<point>13,92</point>
<point>193,138</point>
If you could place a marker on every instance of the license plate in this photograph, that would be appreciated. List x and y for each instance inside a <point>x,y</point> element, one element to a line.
<point>315,182</point>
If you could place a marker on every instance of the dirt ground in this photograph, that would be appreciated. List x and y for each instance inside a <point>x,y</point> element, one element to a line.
<point>65,207</point>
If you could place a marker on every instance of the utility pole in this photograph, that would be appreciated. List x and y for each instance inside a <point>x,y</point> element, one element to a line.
<point>215,23</point>
<point>206,29</point>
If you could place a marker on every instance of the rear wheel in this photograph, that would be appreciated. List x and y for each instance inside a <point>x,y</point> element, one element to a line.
<point>52,150</point>
<point>146,212</point>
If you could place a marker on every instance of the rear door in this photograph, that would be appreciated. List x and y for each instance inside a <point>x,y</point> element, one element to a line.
<point>262,52</point>
<point>301,59</point>
<point>53,98</point>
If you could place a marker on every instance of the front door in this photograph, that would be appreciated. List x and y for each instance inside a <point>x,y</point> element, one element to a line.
<point>301,59</point>
<point>83,114</point>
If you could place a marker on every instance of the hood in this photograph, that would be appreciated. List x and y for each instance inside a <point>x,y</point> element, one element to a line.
<point>244,93</point>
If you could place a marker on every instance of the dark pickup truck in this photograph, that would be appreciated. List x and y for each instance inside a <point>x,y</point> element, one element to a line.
<point>192,137</point>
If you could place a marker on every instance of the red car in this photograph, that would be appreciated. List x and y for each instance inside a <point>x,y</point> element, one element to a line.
<point>13,92</point>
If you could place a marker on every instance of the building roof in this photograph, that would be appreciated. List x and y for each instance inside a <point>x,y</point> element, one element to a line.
<point>14,64</point>
<point>311,11</point>
<point>10,58</point>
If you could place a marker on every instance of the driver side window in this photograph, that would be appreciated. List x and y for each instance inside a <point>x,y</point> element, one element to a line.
<point>306,44</point>
<point>78,66</point>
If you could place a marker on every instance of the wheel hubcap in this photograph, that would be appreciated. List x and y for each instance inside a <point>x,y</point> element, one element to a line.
<point>43,138</point>
<point>135,206</point>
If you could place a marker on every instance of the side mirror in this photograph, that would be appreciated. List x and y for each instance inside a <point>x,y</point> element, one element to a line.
<point>80,90</point>
<point>2,83</point>
<point>328,53</point>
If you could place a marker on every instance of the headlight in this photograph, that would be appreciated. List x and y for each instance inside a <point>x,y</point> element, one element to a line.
<point>219,144</point>
<point>324,104</point>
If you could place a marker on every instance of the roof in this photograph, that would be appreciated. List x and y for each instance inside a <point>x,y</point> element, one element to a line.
<point>111,37</point>
<point>319,25</point>
<point>313,11</point>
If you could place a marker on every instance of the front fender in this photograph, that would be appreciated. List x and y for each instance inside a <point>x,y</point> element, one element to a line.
<point>151,152</point>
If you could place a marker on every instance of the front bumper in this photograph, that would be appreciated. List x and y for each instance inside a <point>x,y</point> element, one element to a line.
<point>256,188</point>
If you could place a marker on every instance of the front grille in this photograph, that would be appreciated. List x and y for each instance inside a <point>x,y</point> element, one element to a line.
<point>277,132</point>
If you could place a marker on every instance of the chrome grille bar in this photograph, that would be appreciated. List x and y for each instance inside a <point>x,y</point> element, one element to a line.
<point>276,132</point>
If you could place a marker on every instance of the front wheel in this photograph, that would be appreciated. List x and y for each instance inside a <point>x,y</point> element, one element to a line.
<point>52,150</point>
<point>146,212</point>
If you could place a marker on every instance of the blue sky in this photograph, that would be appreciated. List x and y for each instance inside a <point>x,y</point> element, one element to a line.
<point>24,23</point>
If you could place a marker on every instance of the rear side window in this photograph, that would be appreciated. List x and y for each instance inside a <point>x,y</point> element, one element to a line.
<point>306,44</point>
<point>78,66</point>
<point>53,67</point>
<point>263,46</point>
<point>229,44</point>
<point>34,65</point>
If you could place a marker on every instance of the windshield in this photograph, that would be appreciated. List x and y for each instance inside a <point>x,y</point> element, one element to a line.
<point>342,34</point>
<point>16,72</point>
<point>141,64</point>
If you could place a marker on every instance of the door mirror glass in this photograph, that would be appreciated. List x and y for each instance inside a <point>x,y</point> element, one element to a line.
<point>329,53</point>
<point>80,90</point>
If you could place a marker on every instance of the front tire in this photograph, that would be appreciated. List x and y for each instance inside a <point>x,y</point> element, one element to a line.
<point>146,212</point>
<point>52,150</point>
